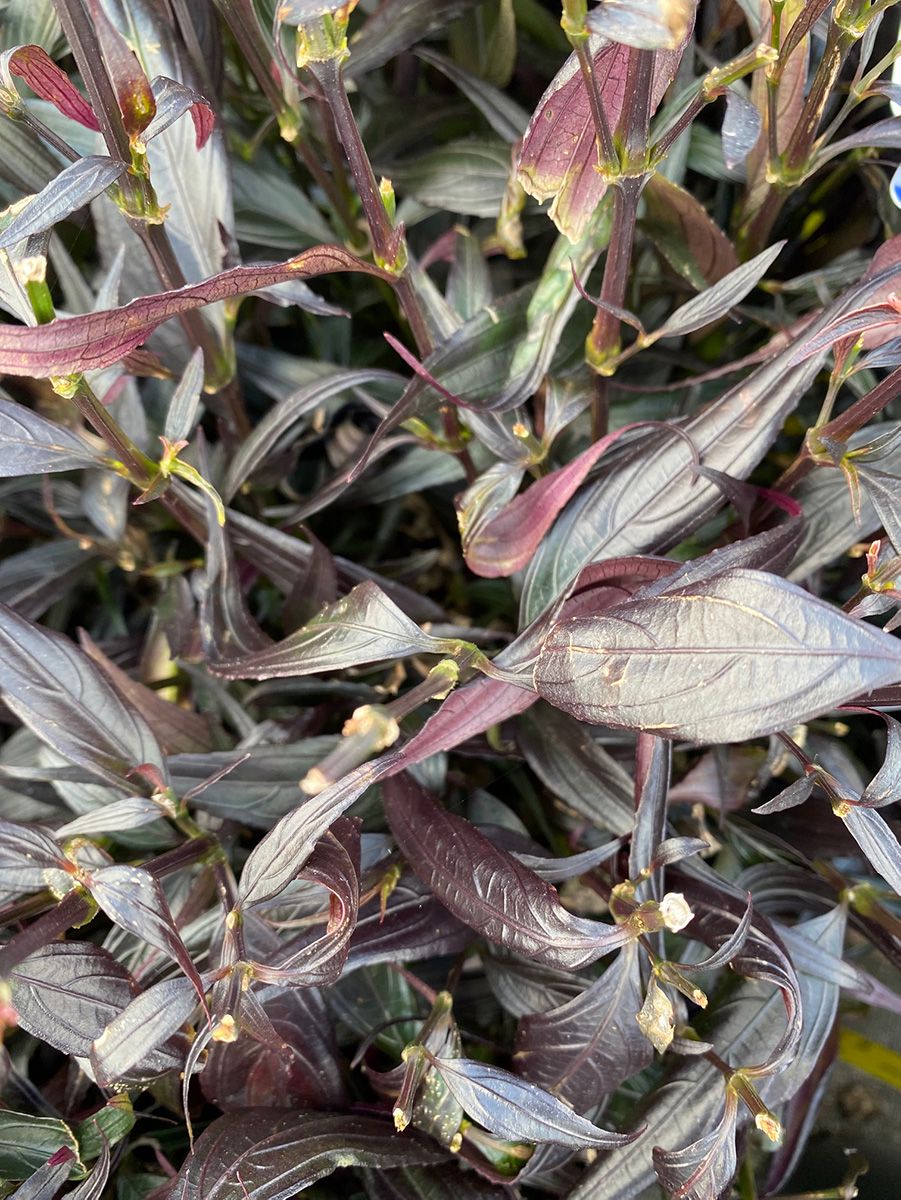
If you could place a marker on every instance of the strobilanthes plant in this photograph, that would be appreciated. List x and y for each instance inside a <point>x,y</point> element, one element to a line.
<point>451,517</point>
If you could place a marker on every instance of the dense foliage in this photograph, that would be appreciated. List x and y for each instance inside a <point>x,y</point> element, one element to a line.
<point>410,679</point>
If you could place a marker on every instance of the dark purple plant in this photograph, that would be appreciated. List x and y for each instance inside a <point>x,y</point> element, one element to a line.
<point>408,680</point>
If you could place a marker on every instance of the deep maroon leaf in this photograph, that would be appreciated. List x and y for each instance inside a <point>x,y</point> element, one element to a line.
<point>178,730</point>
<point>46,80</point>
<point>704,1169</point>
<point>629,668</point>
<point>685,234</point>
<point>335,866</point>
<point>512,1108</point>
<point>56,690</point>
<point>364,626</point>
<point>585,1049</point>
<point>99,339</point>
<point>486,887</point>
<point>133,899</point>
<point>559,150</point>
<point>132,87</point>
<point>272,1153</point>
<point>68,992</point>
<point>413,925</point>
<point>134,1041</point>
<point>306,1073</point>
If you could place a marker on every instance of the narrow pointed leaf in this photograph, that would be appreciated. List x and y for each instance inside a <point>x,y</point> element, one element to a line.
<point>513,1108</point>
<point>704,1169</point>
<point>885,786</point>
<point>173,100</point>
<point>134,900</point>
<point>46,80</point>
<point>365,626</point>
<point>56,690</point>
<point>877,842</point>
<point>583,1050</point>
<point>273,1153</point>
<point>135,1037</point>
<point>717,300</point>
<point>486,887</point>
<point>98,339</point>
<point>183,407</point>
<point>32,445</point>
<point>72,189</point>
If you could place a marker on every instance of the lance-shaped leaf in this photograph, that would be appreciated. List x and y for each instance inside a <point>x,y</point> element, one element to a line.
<point>46,80</point>
<point>651,496</point>
<point>98,339</point>
<point>273,1153</point>
<point>504,542</point>
<point>269,432</point>
<point>173,100</point>
<point>583,1050</point>
<point>305,1070</point>
<point>413,925</point>
<point>644,24</point>
<point>135,1038</point>
<point>66,994</point>
<point>717,300</point>
<point>876,840</point>
<point>559,153</point>
<point>184,406</point>
<point>486,887</point>
<point>885,786</point>
<point>282,853</point>
<point>513,1108</point>
<point>30,860</point>
<point>701,661</point>
<point>363,627</point>
<point>48,1179</point>
<point>55,689</point>
<point>32,445</point>
<point>335,866</point>
<point>705,1168</point>
<point>681,229</point>
<point>133,899</point>
<point>72,189</point>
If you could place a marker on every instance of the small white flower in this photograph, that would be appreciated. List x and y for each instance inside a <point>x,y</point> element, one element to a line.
<point>675,910</point>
